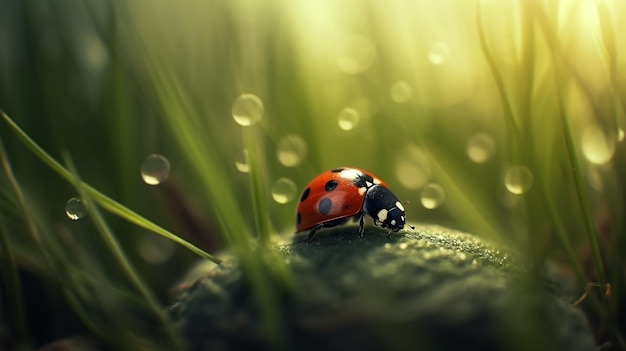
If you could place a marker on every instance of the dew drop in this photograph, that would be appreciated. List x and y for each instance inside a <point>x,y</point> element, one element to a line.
<point>155,169</point>
<point>432,196</point>
<point>284,190</point>
<point>348,119</point>
<point>518,179</point>
<point>291,150</point>
<point>154,249</point>
<point>356,54</point>
<point>247,110</point>
<point>75,209</point>
<point>242,163</point>
<point>439,53</point>
<point>596,147</point>
<point>480,147</point>
<point>401,92</point>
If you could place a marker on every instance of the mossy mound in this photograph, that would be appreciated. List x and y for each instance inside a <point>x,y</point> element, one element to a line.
<point>430,288</point>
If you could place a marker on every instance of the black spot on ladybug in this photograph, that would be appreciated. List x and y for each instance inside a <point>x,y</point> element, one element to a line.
<point>305,194</point>
<point>298,219</point>
<point>331,185</point>
<point>336,170</point>
<point>324,206</point>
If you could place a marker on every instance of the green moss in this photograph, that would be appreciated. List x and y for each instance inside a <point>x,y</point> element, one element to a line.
<point>431,288</point>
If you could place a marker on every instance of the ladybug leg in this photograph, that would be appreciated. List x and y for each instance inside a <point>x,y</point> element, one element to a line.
<point>361,226</point>
<point>312,232</point>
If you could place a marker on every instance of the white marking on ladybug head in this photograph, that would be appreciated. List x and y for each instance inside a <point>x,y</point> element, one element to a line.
<point>362,190</point>
<point>368,184</point>
<point>402,218</point>
<point>399,206</point>
<point>381,216</point>
<point>393,222</point>
<point>377,181</point>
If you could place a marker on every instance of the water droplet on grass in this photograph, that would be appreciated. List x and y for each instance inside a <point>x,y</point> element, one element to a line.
<point>247,110</point>
<point>75,209</point>
<point>432,196</point>
<point>155,169</point>
<point>518,179</point>
<point>401,92</point>
<point>439,53</point>
<point>291,150</point>
<point>284,190</point>
<point>480,147</point>
<point>348,119</point>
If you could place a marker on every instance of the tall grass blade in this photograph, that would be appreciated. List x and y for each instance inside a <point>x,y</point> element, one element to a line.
<point>103,200</point>
<point>120,257</point>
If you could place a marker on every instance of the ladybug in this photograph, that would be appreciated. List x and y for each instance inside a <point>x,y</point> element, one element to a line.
<point>335,196</point>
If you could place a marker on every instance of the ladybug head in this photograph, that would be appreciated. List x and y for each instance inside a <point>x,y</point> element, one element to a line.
<point>385,208</point>
<point>395,219</point>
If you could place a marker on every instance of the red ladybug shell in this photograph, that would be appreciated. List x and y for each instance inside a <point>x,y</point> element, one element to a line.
<point>332,195</point>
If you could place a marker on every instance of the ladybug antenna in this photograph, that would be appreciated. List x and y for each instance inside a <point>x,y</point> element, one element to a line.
<point>408,202</point>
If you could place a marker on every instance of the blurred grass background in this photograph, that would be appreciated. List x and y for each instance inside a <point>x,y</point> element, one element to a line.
<point>502,118</point>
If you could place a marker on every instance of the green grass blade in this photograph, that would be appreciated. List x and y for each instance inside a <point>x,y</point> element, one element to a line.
<point>119,255</point>
<point>259,203</point>
<point>504,97</point>
<point>9,278</point>
<point>106,202</point>
<point>32,229</point>
<point>579,183</point>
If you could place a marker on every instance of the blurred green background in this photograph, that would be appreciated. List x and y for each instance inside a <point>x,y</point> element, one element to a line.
<point>502,118</point>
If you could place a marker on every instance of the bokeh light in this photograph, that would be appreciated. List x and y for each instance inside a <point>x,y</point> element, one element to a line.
<point>247,110</point>
<point>412,167</point>
<point>401,92</point>
<point>356,54</point>
<point>480,147</point>
<point>432,196</point>
<point>596,146</point>
<point>291,150</point>
<point>348,119</point>
<point>284,190</point>
<point>439,53</point>
<point>518,179</point>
